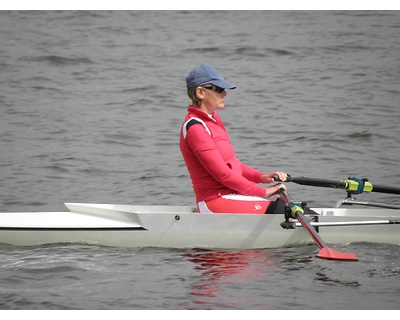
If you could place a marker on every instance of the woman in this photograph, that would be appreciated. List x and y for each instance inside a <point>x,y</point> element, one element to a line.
<point>222,183</point>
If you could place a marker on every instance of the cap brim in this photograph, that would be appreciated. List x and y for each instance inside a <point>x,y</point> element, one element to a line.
<point>219,83</point>
<point>223,84</point>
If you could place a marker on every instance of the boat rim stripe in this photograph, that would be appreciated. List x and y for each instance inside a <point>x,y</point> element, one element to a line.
<point>72,229</point>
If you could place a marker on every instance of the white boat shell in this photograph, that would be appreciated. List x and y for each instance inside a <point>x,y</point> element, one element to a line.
<point>135,226</point>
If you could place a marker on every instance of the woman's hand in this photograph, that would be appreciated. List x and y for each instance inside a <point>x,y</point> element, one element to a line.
<point>269,177</point>
<point>274,189</point>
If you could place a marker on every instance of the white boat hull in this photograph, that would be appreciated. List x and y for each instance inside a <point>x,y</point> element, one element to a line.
<point>181,227</point>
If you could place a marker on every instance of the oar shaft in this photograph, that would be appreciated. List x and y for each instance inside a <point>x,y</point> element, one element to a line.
<point>305,223</point>
<point>339,184</point>
<point>383,189</point>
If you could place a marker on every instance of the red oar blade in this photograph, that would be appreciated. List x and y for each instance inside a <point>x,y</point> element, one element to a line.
<point>328,253</point>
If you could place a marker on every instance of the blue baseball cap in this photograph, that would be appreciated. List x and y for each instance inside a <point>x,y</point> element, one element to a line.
<point>206,74</point>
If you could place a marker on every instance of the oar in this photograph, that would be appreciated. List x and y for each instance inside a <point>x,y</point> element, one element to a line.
<point>352,185</point>
<point>325,252</point>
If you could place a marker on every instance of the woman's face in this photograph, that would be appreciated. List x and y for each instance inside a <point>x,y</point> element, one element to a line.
<point>212,98</point>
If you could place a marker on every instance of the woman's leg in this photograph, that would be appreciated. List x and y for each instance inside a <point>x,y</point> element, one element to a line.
<point>235,203</point>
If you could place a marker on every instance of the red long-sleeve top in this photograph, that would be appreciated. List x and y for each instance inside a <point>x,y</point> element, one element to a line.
<point>211,161</point>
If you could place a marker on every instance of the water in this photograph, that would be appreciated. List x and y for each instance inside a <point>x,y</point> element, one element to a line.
<point>91,107</point>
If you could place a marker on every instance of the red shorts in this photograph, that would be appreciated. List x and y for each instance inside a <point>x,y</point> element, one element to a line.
<point>235,203</point>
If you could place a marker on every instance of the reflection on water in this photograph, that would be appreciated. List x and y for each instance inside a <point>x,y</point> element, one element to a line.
<point>224,279</point>
<point>220,270</point>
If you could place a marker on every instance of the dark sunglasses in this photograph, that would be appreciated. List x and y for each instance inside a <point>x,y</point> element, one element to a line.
<point>215,88</point>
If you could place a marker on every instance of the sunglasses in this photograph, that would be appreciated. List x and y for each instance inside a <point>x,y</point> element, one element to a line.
<point>215,88</point>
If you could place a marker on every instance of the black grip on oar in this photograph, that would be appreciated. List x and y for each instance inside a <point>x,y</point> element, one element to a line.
<point>276,178</point>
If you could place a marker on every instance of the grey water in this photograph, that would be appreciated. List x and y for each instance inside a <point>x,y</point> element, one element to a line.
<point>91,104</point>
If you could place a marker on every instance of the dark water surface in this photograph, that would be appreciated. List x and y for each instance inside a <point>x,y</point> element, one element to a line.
<point>91,105</point>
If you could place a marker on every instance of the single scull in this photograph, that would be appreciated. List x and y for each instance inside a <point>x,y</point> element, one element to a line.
<point>183,227</point>
<point>137,226</point>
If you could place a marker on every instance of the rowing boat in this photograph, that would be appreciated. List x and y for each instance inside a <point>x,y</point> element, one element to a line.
<point>138,226</point>
<point>182,227</point>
